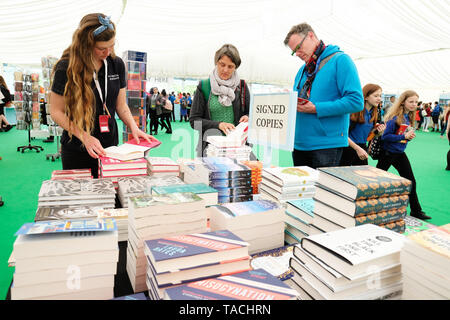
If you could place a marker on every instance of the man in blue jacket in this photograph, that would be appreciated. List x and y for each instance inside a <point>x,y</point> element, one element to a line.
<point>330,83</point>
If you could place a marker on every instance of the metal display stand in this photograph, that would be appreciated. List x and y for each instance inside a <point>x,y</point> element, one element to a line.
<point>29,146</point>
<point>56,155</point>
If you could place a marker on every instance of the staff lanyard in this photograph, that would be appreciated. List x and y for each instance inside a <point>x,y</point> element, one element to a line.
<point>97,84</point>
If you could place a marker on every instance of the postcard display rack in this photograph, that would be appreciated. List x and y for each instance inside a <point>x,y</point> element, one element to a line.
<point>54,130</point>
<point>26,102</point>
<point>136,67</point>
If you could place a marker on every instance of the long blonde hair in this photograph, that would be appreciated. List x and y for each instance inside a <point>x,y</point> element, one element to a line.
<point>78,95</point>
<point>3,82</point>
<point>398,109</point>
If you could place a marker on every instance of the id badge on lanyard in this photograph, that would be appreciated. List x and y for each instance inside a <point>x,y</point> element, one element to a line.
<point>103,118</point>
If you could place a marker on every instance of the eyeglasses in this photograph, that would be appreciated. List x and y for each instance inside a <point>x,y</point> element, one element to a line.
<point>299,45</point>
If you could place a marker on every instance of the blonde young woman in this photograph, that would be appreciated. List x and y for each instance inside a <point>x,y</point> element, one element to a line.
<point>88,89</point>
<point>394,144</point>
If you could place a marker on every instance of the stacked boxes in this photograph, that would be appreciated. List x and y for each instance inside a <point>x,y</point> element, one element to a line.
<point>136,67</point>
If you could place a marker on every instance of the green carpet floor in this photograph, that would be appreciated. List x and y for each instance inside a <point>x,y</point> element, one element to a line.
<point>21,175</point>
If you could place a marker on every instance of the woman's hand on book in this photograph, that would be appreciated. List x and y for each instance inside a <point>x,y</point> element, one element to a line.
<point>226,127</point>
<point>243,119</point>
<point>93,146</point>
<point>138,133</point>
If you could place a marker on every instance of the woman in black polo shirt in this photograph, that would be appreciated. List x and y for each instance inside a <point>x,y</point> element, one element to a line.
<point>88,89</point>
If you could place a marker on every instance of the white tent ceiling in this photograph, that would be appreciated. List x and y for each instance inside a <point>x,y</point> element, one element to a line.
<point>398,44</point>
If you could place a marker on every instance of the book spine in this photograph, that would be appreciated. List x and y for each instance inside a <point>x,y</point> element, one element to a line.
<point>229,192</point>
<point>382,217</point>
<point>230,183</point>
<point>227,199</point>
<point>230,174</point>
<point>375,205</point>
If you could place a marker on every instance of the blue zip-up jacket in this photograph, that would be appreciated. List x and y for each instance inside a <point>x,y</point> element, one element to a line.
<point>392,142</point>
<point>336,92</point>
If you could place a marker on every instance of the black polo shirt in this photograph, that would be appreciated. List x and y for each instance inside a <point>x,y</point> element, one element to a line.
<point>116,81</point>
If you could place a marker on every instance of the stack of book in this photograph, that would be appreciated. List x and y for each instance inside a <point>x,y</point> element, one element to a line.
<point>176,260</point>
<point>158,216</point>
<point>137,186</point>
<point>413,225</point>
<point>132,150</point>
<point>259,222</point>
<point>71,174</point>
<point>256,167</point>
<point>351,196</point>
<point>113,168</point>
<point>232,145</point>
<point>359,263</point>
<point>231,179</point>
<point>65,260</point>
<point>425,260</point>
<point>239,153</point>
<point>162,166</point>
<point>290,183</point>
<point>249,285</point>
<point>299,218</point>
<point>121,217</point>
<point>207,193</point>
<point>65,213</point>
<point>80,192</point>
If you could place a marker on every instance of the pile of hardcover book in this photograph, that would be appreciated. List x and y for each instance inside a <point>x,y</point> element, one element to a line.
<point>176,260</point>
<point>231,179</point>
<point>298,218</point>
<point>207,193</point>
<point>65,260</point>
<point>359,263</point>
<point>77,192</point>
<point>156,216</point>
<point>140,185</point>
<point>425,259</point>
<point>259,222</point>
<point>232,145</point>
<point>288,183</point>
<point>121,217</point>
<point>114,168</point>
<point>71,174</point>
<point>351,196</point>
<point>162,166</point>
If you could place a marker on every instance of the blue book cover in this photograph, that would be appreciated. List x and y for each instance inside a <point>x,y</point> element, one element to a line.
<point>61,226</point>
<point>223,192</point>
<point>226,168</point>
<point>197,188</point>
<point>306,205</point>
<point>249,207</point>
<point>232,199</point>
<point>231,183</point>
<point>249,285</point>
<point>192,245</point>
<point>137,296</point>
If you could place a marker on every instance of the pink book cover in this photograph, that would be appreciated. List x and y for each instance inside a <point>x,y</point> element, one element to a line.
<point>153,144</point>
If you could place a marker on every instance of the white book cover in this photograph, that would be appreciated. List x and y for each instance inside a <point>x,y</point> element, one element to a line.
<point>126,151</point>
<point>290,176</point>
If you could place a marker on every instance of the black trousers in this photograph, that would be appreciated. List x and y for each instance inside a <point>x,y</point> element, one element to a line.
<point>350,157</point>
<point>401,163</point>
<point>78,160</point>
<point>153,121</point>
<point>317,158</point>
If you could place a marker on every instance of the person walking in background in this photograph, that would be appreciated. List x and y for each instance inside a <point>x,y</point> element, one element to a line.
<point>364,125</point>
<point>329,90</point>
<point>172,99</point>
<point>402,115</point>
<point>437,110</point>
<point>183,108</point>
<point>151,107</point>
<point>5,101</point>
<point>166,111</point>
<point>426,117</point>
<point>419,117</point>
<point>445,119</point>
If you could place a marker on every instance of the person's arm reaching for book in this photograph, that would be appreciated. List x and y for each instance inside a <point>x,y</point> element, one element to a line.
<point>92,144</point>
<point>123,111</point>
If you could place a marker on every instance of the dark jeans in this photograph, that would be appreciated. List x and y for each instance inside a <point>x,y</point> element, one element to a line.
<point>401,163</point>
<point>165,119</point>
<point>78,160</point>
<point>317,158</point>
<point>350,157</point>
<point>153,121</point>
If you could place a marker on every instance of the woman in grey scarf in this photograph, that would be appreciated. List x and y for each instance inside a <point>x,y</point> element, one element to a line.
<point>221,102</point>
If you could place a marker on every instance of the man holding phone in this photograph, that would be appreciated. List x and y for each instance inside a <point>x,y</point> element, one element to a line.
<point>329,90</point>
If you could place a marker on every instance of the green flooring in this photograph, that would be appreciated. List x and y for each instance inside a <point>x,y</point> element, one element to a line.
<point>21,175</point>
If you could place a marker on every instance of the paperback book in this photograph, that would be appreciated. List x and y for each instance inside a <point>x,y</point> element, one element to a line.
<point>290,176</point>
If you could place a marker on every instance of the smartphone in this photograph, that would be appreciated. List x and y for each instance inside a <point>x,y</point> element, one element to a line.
<point>302,101</point>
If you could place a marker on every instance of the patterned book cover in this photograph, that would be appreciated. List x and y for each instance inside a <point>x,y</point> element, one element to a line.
<point>229,192</point>
<point>140,185</point>
<point>192,245</point>
<point>369,181</point>
<point>246,208</point>
<point>98,188</point>
<point>397,226</point>
<point>119,213</point>
<point>67,226</point>
<point>197,188</point>
<point>374,205</point>
<point>435,239</point>
<point>382,217</point>
<point>250,285</point>
<point>414,225</point>
<point>275,262</point>
<point>231,183</point>
<point>145,201</point>
<point>64,213</point>
<point>289,176</point>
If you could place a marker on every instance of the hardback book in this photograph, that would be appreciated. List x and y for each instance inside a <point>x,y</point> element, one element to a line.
<point>290,176</point>
<point>298,232</point>
<point>359,207</point>
<point>275,261</point>
<point>123,173</point>
<point>76,189</point>
<point>351,251</point>
<point>238,191</point>
<point>289,238</point>
<point>186,251</point>
<point>305,188</point>
<point>118,214</point>
<point>160,204</point>
<point>397,226</point>
<point>333,279</point>
<point>209,194</point>
<point>222,168</point>
<point>308,193</point>
<point>230,199</point>
<point>363,182</point>
<point>413,225</point>
<point>141,185</point>
<point>109,164</point>
<point>231,183</point>
<point>345,220</point>
<point>241,215</point>
<point>296,222</point>
<point>127,151</point>
<point>302,209</point>
<point>162,164</point>
<point>234,139</point>
<point>105,203</point>
<point>302,294</point>
<point>65,213</point>
<point>71,174</point>
<point>250,285</point>
<point>143,143</point>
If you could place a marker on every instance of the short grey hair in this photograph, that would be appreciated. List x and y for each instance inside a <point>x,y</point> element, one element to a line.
<point>231,52</point>
<point>302,28</point>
